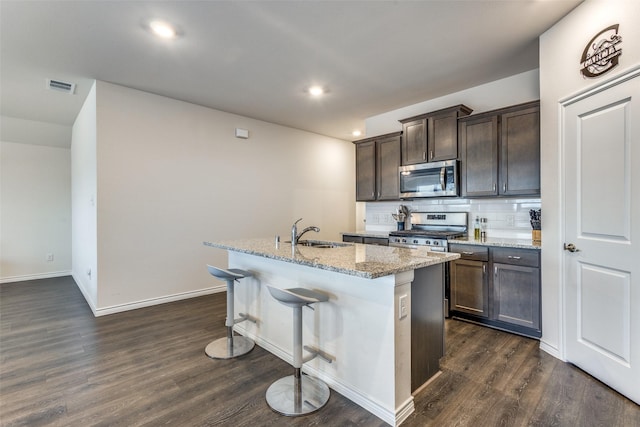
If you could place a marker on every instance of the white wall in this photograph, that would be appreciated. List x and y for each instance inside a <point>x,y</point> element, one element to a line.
<point>34,132</point>
<point>560,51</point>
<point>83,196</point>
<point>171,175</point>
<point>511,90</point>
<point>35,211</point>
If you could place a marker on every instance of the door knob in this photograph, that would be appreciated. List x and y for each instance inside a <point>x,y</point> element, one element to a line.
<point>571,247</point>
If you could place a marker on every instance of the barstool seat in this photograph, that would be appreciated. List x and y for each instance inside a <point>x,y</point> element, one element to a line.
<point>297,296</point>
<point>231,346</point>
<point>298,394</point>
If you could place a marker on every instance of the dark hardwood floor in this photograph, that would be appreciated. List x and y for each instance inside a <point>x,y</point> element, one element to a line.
<point>60,366</point>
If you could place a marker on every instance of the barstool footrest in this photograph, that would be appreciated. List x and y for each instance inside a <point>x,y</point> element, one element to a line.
<point>316,352</point>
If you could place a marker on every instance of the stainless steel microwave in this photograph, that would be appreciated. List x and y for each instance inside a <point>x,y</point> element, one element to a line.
<point>437,179</point>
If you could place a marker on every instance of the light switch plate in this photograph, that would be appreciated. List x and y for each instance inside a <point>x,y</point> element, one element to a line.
<point>242,133</point>
<point>402,309</point>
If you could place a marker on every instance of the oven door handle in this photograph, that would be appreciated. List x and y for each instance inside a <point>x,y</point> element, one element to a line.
<point>443,176</point>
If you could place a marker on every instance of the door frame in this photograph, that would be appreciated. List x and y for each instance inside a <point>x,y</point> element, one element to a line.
<point>563,103</point>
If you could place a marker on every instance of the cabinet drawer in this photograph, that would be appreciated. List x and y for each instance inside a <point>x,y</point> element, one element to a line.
<point>526,257</point>
<point>376,241</point>
<point>479,253</point>
<point>351,238</point>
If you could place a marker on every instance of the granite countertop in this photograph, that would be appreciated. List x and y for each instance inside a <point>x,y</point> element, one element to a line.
<point>366,261</point>
<point>495,242</point>
<point>499,242</point>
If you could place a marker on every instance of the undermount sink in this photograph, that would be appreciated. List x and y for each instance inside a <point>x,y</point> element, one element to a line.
<point>321,244</point>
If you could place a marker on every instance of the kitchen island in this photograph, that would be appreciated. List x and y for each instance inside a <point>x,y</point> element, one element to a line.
<point>385,303</point>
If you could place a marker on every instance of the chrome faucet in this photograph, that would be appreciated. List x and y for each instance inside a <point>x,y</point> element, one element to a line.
<point>294,232</point>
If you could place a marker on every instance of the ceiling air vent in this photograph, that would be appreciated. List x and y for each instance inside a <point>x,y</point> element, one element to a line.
<point>61,86</point>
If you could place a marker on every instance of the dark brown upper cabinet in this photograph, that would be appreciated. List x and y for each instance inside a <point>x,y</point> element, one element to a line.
<point>500,152</point>
<point>377,162</point>
<point>366,171</point>
<point>432,137</point>
<point>520,152</point>
<point>414,141</point>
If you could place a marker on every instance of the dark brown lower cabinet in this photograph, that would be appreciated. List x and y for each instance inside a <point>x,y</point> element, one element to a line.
<point>470,287</point>
<point>508,299</point>
<point>516,295</point>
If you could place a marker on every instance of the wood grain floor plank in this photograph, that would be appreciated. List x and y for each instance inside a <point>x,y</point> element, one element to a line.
<point>60,366</point>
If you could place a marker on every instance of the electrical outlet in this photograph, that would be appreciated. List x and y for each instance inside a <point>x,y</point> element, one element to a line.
<point>402,309</point>
<point>49,257</point>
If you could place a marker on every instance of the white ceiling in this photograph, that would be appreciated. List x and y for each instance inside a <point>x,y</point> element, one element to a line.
<point>255,58</point>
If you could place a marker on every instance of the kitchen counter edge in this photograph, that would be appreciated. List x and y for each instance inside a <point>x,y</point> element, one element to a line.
<point>342,259</point>
<point>499,243</point>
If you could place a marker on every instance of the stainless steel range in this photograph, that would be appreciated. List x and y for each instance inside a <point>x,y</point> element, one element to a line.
<point>431,229</point>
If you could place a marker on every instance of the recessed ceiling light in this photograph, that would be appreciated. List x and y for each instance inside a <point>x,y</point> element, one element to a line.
<point>356,133</point>
<point>163,29</point>
<point>316,90</point>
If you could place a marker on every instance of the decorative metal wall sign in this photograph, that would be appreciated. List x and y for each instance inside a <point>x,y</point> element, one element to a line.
<point>602,52</point>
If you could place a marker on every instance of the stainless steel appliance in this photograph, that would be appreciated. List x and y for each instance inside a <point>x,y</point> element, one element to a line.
<point>432,229</point>
<point>436,179</point>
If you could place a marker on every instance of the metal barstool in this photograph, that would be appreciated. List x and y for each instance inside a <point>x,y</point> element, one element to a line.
<point>231,346</point>
<point>297,394</point>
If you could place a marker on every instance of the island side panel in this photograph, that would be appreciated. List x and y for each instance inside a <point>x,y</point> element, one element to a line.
<point>360,326</point>
<point>427,324</point>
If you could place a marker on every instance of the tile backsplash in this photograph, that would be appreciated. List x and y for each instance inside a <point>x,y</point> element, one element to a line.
<point>506,218</point>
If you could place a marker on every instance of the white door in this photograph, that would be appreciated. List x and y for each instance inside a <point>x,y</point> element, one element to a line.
<point>601,140</point>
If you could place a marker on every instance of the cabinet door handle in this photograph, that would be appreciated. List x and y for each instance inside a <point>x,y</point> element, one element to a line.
<point>495,271</point>
<point>467,253</point>
<point>514,257</point>
<point>504,187</point>
<point>431,154</point>
<point>494,186</point>
<point>373,194</point>
<point>424,155</point>
<point>484,269</point>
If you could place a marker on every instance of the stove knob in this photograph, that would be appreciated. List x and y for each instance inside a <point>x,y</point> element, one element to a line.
<point>415,241</point>
<point>436,243</point>
<point>427,242</point>
<point>404,240</point>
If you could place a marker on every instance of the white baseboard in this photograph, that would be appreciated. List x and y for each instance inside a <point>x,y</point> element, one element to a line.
<point>550,349</point>
<point>84,293</point>
<point>387,415</point>
<point>156,301</point>
<point>24,278</point>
